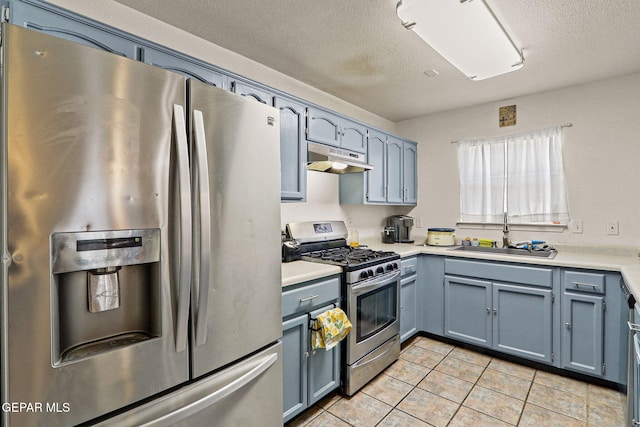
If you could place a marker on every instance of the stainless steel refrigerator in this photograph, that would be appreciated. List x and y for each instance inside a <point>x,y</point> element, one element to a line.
<point>140,244</point>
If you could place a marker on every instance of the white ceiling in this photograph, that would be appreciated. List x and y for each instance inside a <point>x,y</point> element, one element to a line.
<point>358,51</point>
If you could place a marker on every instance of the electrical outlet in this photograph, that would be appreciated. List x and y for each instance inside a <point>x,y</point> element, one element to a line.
<point>419,223</point>
<point>612,228</point>
<point>576,226</point>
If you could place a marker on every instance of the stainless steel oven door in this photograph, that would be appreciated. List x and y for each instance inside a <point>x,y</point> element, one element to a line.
<point>374,310</point>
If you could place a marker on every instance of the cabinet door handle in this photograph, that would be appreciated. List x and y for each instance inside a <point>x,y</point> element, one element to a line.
<point>309,298</point>
<point>495,311</point>
<point>578,284</point>
<point>568,325</point>
<point>488,310</point>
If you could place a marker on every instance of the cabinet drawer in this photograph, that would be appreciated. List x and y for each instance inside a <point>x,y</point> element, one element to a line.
<point>529,275</point>
<point>409,266</point>
<point>583,281</point>
<point>305,297</point>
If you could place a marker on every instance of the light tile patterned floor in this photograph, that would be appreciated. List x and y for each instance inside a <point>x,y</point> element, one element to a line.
<point>438,384</point>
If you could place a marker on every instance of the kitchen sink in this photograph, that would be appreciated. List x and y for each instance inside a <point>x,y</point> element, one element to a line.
<point>550,254</point>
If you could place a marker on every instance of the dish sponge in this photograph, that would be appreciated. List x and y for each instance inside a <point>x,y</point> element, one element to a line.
<point>486,243</point>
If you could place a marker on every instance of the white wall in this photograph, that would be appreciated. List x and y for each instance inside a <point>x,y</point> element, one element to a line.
<point>323,204</point>
<point>602,157</point>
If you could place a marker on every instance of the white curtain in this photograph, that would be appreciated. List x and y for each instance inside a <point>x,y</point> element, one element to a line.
<point>482,180</point>
<point>522,175</point>
<point>536,188</point>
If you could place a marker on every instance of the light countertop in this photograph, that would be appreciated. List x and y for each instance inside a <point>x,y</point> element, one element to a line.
<point>623,260</point>
<point>303,271</point>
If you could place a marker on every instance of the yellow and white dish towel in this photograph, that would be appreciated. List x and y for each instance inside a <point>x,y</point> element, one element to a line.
<point>329,328</point>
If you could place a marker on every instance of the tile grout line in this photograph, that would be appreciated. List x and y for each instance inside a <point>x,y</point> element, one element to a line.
<point>541,384</point>
<point>467,396</point>
<point>526,398</point>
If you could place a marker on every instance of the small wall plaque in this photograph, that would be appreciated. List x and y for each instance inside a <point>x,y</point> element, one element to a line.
<point>507,115</point>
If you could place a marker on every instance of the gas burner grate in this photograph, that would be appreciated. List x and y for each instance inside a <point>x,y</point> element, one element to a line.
<point>349,256</point>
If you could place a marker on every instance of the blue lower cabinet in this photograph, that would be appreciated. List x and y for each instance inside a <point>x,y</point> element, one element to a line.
<point>309,375</point>
<point>583,333</point>
<point>593,324</point>
<point>323,368</point>
<point>512,319</point>
<point>467,310</point>
<point>408,307</point>
<point>295,338</point>
<point>523,321</point>
<point>430,294</point>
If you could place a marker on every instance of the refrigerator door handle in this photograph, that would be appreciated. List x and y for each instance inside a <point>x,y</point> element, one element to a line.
<point>209,400</point>
<point>185,227</point>
<point>204,233</point>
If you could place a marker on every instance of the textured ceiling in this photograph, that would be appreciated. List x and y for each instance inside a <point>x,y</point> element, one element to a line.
<point>358,51</point>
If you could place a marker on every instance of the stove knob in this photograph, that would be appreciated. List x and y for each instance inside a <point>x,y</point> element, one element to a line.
<point>370,273</point>
<point>389,267</point>
<point>364,275</point>
<point>380,270</point>
<point>395,266</point>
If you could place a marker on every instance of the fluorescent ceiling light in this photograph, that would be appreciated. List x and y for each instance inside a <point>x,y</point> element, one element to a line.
<point>465,32</point>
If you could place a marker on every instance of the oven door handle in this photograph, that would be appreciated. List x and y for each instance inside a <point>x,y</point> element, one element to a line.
<point>375,283</point>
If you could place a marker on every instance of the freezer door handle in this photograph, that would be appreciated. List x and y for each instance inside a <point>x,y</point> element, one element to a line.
<point>209,400</point>
<point>184,189</point>
<point>201,187</point>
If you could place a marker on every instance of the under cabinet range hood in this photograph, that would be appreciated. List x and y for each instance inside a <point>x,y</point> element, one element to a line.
<point>323,158</point>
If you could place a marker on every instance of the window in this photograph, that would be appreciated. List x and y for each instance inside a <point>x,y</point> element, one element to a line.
<point>518,175</point>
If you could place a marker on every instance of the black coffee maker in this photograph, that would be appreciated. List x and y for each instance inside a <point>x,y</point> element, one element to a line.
<point>402,225</point>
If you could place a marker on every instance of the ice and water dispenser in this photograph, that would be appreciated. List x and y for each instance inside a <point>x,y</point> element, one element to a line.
<point>106,291</point>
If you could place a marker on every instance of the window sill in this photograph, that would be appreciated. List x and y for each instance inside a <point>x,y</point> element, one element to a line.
<point>554,228</point>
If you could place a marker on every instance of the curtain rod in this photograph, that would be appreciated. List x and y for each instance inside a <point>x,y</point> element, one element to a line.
<point>566,125</point>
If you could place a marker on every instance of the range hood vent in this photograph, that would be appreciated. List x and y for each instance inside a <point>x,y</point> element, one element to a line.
<point>323,158</point>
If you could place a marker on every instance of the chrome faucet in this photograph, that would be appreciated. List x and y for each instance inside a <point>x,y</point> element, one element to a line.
<point>505,232</point>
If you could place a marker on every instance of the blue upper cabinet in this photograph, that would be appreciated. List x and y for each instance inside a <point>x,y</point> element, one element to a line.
<point>395,189</point>
<point>293,149</point>
<point>354,136</point>
<point>376,189</point>
<point>50,20</point>
<point>410,172</point>
<point>252,91</point>
<point>393,179</point>
<point>323,127</point>
<point>331,129</point>
<point>188,67</point>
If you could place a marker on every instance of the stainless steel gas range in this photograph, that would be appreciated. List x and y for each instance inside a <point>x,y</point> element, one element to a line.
<point>370,297</point>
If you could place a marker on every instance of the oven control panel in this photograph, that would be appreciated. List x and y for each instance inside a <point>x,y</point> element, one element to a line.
<point>373,271</point>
